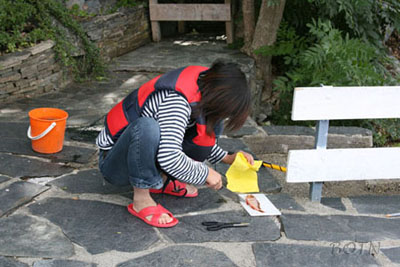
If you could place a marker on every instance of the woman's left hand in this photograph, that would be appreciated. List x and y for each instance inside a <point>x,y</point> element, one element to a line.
<point>229,159</point>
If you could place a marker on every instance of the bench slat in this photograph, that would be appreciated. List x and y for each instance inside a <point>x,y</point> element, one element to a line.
<point>341,103</point>
<point>190,12</point>
<point>320,165</point>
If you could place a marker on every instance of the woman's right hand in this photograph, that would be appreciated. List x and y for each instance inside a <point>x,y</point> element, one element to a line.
<point>214,179</point>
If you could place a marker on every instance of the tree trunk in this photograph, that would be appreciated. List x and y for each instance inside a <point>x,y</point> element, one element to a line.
<point>265,34</point>
<point>248,25</point>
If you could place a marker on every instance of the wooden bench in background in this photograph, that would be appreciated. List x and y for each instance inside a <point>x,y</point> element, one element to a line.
<point>341,103</point>
<point>190,12</point>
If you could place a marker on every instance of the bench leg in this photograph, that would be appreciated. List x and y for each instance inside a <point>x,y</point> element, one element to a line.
<point>156,31</point>
<point>316,191</point>
<point>229,26</point>
<point>321,141</point>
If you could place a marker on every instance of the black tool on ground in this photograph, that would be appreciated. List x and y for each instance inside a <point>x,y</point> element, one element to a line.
<point>215,226</point>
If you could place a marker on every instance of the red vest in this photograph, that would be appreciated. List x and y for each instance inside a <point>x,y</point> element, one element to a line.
<point>197,144</point>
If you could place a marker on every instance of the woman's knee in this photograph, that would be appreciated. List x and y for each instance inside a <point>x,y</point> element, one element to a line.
<point>147,129</point>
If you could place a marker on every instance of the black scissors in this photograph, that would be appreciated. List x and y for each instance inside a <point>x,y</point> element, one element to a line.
<point>215,226</point>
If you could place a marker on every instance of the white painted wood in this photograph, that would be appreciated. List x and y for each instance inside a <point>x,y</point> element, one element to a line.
<point>340,103</point>
<point>319,165</point>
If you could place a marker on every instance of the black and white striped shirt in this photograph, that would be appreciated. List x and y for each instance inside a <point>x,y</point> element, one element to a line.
<point>172,111</point>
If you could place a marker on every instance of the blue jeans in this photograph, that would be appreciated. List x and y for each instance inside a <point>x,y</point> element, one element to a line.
<point>133,158</point>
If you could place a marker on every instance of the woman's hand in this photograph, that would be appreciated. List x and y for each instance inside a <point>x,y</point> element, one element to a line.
<point>229,159</point>
<point>214,179</point>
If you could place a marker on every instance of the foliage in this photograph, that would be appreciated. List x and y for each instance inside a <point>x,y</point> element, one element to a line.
<point>329,57</point>
<point>288,46</point>
<point>79,13</point>
<point>16,19</point>
<point>366,19</point>
<point>23,23</point>
<point>126,3</point>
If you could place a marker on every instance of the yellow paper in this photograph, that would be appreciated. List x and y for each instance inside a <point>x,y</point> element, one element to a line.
<point>242,176</point>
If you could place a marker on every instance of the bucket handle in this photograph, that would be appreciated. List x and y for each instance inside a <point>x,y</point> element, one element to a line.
<point>52,125</point>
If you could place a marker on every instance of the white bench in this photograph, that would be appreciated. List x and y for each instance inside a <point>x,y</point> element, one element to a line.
<point>341,103</point>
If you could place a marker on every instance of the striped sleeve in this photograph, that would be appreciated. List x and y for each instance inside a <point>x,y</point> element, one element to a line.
<point>217,154</point>
<point>172,112</point>
<point>104,141</point>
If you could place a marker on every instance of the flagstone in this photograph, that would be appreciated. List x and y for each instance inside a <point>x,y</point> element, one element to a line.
<point>336,228</point>
<point>67,154</point>
<point>334,203</point>
<point>17,166</point>
<point>27,236</point>
<point>88,181</point>
<point>284,201</point>
<point>9,262</point>
<point>272,254</point>
<point>63,263</point>
<point>96,225</point>
<point>181,256</point>
<point>376,204</point>
<point>3,179</point>
<point>190,229</point>
<point>17,194</point>
<point>392,253</point>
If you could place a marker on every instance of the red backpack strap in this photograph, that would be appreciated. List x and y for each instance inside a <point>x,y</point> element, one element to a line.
<point>187,83</point>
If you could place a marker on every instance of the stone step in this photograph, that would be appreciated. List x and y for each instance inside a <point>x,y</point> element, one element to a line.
<point>280,139</point>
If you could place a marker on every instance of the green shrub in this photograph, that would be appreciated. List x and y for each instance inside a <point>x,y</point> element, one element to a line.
<point>24,23</point>
<point>332,59</point>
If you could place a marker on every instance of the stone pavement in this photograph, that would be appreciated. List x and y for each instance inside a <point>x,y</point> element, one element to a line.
<point>56,210</point>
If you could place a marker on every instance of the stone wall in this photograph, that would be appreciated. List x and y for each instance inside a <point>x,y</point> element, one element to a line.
<point>120,32</point>
<point>29,72</point>
<point>34,70</point>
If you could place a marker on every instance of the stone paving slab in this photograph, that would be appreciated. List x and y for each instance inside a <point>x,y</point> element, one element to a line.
<point>88,181</point>
<point>181,256</point>
<point>282,255</point>
<point>63,263</point>
<point>337,228</point>
<point>81,135</point>
<point>284,201</point>
<point>392,253</point>
<point>207,199</point>
<point>14,130</point>
<point>179,55</point>
<point>16,166</point>
<point>67,154</point>
<point>27,236</point>
<point>97,226</point>
<point>333,202</point>
<point>17,194</point>
<point>190,230</point>
<point>9,262</point>
<point>376,204</point>
<point>3,179</point>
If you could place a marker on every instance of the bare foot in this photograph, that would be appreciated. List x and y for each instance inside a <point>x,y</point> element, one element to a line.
<point>142,199</point>
<point>191,189</point>
<point>138,206</point>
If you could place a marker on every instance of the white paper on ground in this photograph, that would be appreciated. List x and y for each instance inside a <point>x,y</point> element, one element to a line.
<point>265,205</point>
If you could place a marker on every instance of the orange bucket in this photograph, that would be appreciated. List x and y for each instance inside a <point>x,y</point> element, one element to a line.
<point>47,129</point>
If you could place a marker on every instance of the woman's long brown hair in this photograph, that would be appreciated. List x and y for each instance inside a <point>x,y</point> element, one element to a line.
<point>224,95</point>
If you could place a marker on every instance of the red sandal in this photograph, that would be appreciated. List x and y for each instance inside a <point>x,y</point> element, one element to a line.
<point>155,212</point>
<point>175,188</point>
